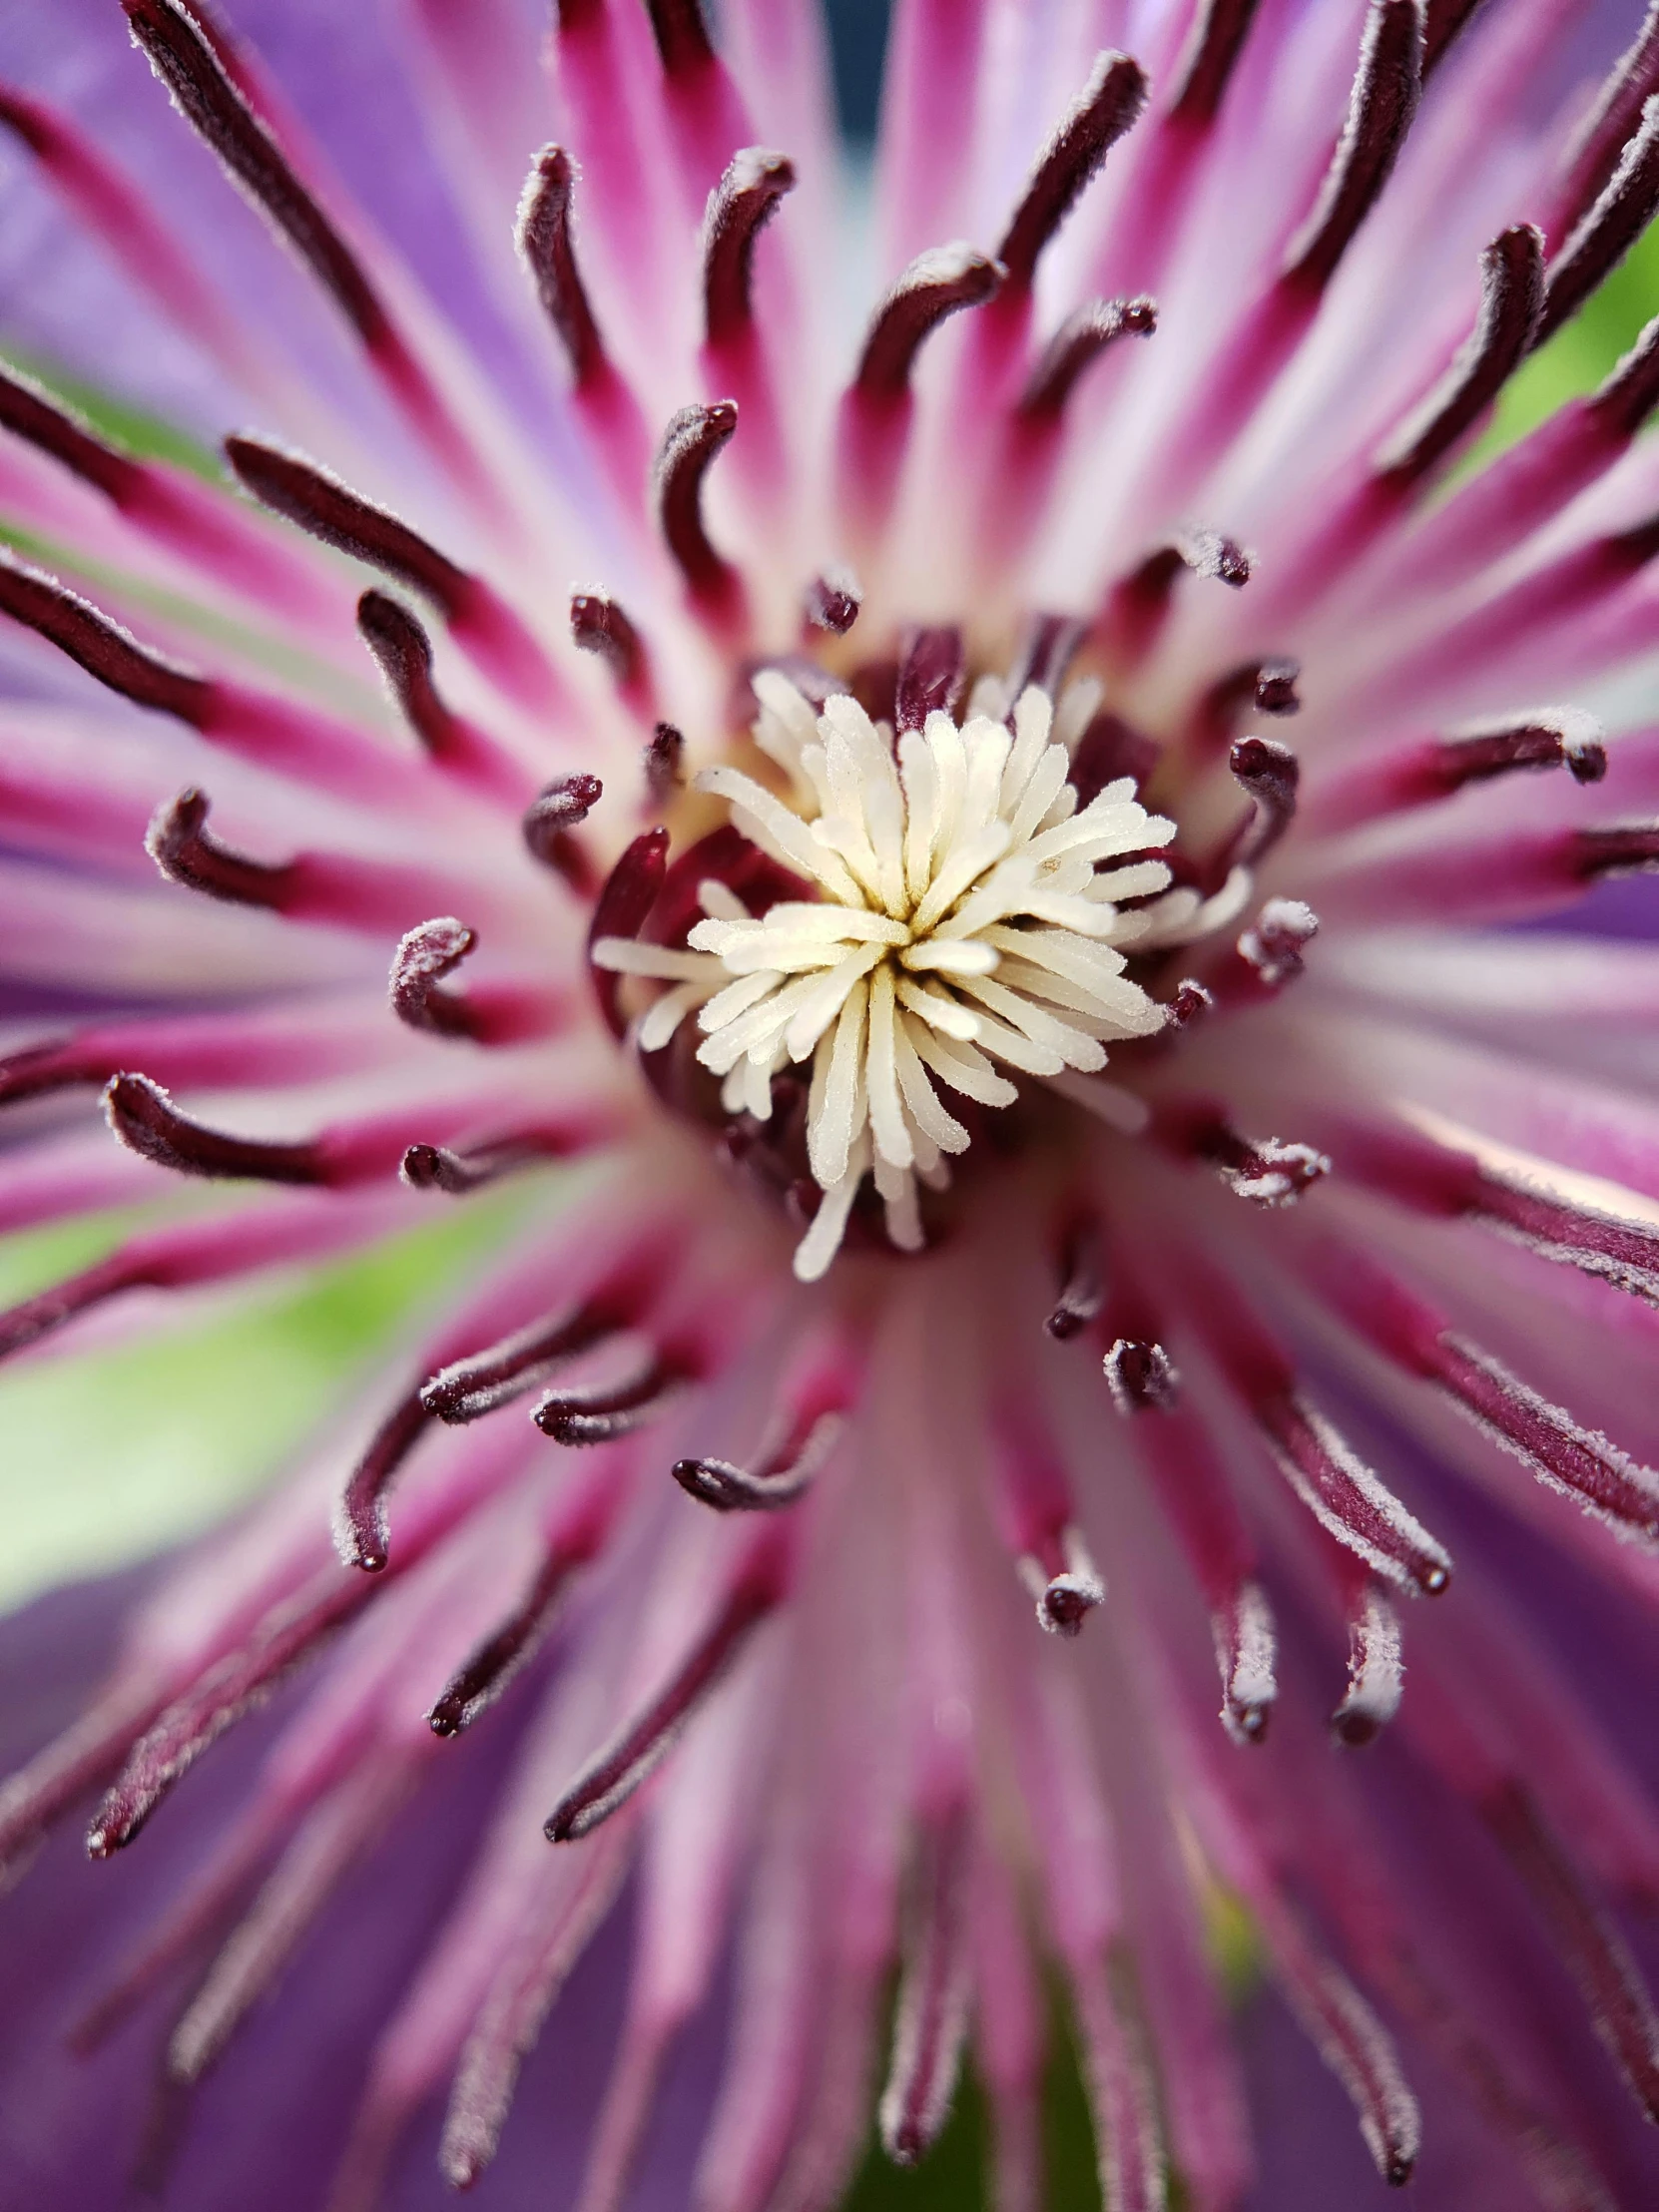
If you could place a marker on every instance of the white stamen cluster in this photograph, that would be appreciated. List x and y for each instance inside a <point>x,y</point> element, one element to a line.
<point>966,923</point>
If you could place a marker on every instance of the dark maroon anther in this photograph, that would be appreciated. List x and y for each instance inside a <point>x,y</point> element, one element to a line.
<point>1608,229</point>
<point>665,764</point>
<point>740,207</point>
<point>682,36</point>
<point>361,1529</point>
<point>782,1476</point>
<point>611,1777</point>
<point>1275,687</point>
<point>1111,100</point>
<point>599,624</point>
<point>622,909</point>
<point>935,1992</point>
<point>1624,850</point>
<point>558,810</point>
<point>1562,740</point>
<point>1512,304</point>
<point>1270,1172</point>
<point>1207,62</point>
<point>30,414</point>
<point>689,446</point>
<point>1068,1600</point>
<point>1190,1003</point>
<point>183,56</point>
<point>1270,685</point>
<point>434,1167</point>
<point>146,1120</point>
<point>1049,645</point>
<point>404,654</point>
<point>187,853</point>
<point>1108,751</point>
<point>1139,604</point>
<point>483,1381</point>
<point>1272,946</point>
<point>102,647</point>
<point>831,601</point>
<point>1082,1275</point>
<point>1342,1493</point>
<point>544,242</point>
<point>1386,87</point>
<point>1083,336</point>
<point>941,282</point>
<point>931,669</point>
<point>320,503</point>
<point>1141,1378</point>
<point>1269,772</point>
<point>726,855</point>
<point>1443,22</point>
<point>597,1412</point>
<point>1631,392</point>
<point>425,957</point>
<point>1609,1981</point>
<point>286,1636</point>
<point>507,1652</point>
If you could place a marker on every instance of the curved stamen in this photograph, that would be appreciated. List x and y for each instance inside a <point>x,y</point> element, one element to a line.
<point>1605,132</point>
<point>558,809</point>
<point>1109,104</point>
<point>483,1381</point>
<point>1139,604</point>
<point>1269,772</point>
<point>598,1412</point>
<point>1271,948</point>
<point>831,601</point>
<point>615,1773</point>
<point>309,496</point>
<point>598,625</point>
<point>682,36</point>
<point>1608,229</point>
<point>1505,330</point>
<point>932,2021</point>
<point>146,1120</point>
<point>1082,1274</point>
<point>689,447</point>
<point>1443,22</point>
<point>361,1529</point>
<point>1270,685</point>
<point>1270,1172</point>
<point>664,765</point>
<point>1247,1652</point>
<point>740,207</point>
<point>543,237</point>
<point>404,654</point>
<point>940,283</point>
<point>1141,1377</point>
<point>1432,768</point>
<point>621,911</point>
<point>100,646</point>
<point>424,958</point>
<point>782,1476</point>
<point>1375,1673</point>
<point>1386,87</point>
<point>434,1167</point>
<point>187,853</point>
<point>1082,339</point>
<point>932,666</point>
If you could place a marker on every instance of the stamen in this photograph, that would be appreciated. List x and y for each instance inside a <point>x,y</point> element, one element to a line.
<point>599,624</point>
<point>689,446</point>
<point>403,653</point>
<point>434,1167</point>
<point>543,237</point>
<point>1375,1674</point>
<point>185,852</point>
<point>1139,604</point>
<point>931,669</point>
<point>759,1585</point>
<point>1511,305</point>
<point>1624,849</point>
<point>29,412</point>
<point>1270,773</point>
<point>1620,2008</point>
<point>308,494</point>
<point>621,911</point>
<point>1269,686</point>
<point>1141,1377</point>
<point>1443,22</point>
<point>1082,1279</point>
<point>1608,128</point>
<point>1047,646</point>
<point>782,1476</point>
<point>1206,67</point>
<point>102,647</point>
<point>682,34</point>
<point>1354,2044</point>
<point>598,1412</point>
<point>1269,1173</point>
<point>1109,104</point>
<point>146,1120</point>
<point>832,600</point>
<point>1272,946</point>
<point>1384,100</point>
<point>504,1654</point>
<point>1066,1588</point>
<point>1128,2150</point>
<point>1083,336</point>
<point>1107,750</point>
<point>484,1381</point>
<point>361,1529</point>
<point>1345,1496</point>
<point>1190,1003</point>
<point>426,956</point>
<point>940,283</point>
<point>559,808</point>
<point>1432,768</point>
<point>665,764</point>
<point>932,2020</point>
<point>288,1635</point>
<point>1247,1651</point>
<point>740,207</point>
<point>1608,229</point>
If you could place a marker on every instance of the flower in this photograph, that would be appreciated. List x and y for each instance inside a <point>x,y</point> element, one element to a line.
<point>1005,1128</point>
